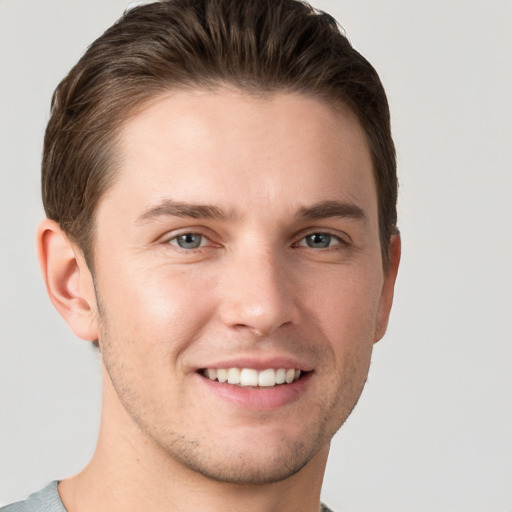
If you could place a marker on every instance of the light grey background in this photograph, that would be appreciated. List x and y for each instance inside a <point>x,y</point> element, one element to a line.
<point>433,430</point>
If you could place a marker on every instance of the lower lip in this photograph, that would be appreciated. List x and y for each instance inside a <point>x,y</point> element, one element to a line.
<point>263,399</point>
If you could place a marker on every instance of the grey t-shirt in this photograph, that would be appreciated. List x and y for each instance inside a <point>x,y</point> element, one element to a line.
<point>45,500</point>
<point>48,500</point>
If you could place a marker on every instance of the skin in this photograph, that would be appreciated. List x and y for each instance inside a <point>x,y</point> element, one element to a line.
<point>258,289</point>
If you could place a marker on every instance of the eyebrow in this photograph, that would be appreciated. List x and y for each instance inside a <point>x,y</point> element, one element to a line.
<point>327,209</point>
<point>170,208</point>
<point>322,210</point>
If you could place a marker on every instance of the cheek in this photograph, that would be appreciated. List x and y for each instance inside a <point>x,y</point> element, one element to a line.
<point>346,309</point>
<point>162,309</point>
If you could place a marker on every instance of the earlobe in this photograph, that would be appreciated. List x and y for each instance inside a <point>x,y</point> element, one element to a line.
<point>68,280</point>
<point>386,298</point>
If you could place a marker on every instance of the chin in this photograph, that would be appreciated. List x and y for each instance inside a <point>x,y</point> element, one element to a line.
<point>267,457</point>
<point>247,470</point>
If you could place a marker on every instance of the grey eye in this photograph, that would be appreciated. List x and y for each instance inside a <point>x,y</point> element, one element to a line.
<point>319,240</point>
<point>188,240</point>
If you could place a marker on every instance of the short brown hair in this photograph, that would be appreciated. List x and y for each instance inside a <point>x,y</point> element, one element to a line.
<point>254,45</point>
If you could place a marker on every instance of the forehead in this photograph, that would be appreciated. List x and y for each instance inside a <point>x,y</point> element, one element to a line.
<point>242,152</point>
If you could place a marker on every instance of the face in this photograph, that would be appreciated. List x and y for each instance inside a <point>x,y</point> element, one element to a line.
<point>237,248</point>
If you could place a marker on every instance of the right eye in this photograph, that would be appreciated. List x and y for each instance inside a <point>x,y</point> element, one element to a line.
<point>189,240</point>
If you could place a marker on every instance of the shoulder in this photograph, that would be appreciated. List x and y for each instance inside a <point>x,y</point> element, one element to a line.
<point>45,500</point>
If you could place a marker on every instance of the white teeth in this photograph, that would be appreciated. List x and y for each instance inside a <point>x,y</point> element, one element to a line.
<point>233,376</point>
<point>281,376</point>
<point>251,377</point>
<point>248,377</point>
<point>267,378</point>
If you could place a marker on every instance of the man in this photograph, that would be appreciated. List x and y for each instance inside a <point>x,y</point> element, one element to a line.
<point>220,185</point>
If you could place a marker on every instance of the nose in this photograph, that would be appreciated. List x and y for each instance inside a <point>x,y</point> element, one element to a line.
<point>257,293</point>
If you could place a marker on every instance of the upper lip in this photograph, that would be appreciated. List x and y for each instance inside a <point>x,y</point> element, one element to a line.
<point>259,363</point>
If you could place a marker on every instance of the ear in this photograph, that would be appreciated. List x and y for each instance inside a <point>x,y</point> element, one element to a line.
<point>68,280</point>
<point>388,287</point>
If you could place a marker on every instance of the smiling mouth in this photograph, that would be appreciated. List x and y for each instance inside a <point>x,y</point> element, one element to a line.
<point>249,377</point>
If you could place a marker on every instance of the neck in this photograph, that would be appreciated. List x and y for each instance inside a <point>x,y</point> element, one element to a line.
<point>129,472</point>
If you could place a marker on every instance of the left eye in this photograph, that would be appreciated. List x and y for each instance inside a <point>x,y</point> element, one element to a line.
<point>189,240</point>
<point>319,241</point>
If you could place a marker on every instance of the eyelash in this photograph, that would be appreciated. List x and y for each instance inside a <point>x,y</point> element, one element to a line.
<point>301,243</point>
